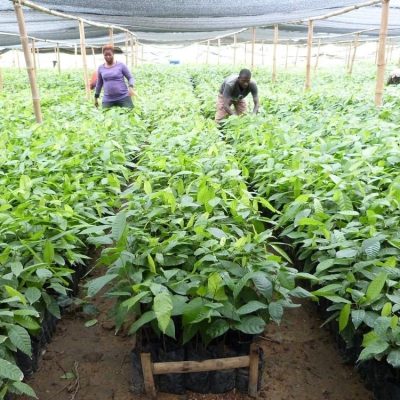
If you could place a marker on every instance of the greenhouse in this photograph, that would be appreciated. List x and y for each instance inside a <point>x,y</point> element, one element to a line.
<point>199,200</point>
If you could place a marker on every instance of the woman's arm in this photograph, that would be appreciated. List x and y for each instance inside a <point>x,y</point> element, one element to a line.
<point>99,86</point>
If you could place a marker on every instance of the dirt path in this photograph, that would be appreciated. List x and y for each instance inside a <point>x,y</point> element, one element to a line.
<point>302,362</point>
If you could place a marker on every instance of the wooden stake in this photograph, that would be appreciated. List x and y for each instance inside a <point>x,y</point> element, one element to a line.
<point>297,55</point>
<point>276,33</point>
<point>132,54</point>
<point>245,53</point>
<point>318,54</point>
<point>234,48</point>
<point>219,51</point>
<point>17,57</point>
<point>94,58</point>
<point>142,48</point>
<point>376,52</point>
<point>28,61</point>
<point>33,50</point>
<point>148,375</point>
<point>253,370</point>
<point>349,57</point>
<point>58,58</point>
<point>84,60</point>
<point>76,55</point>
<point>208,52</point>
<point>262,52</point>
<point>253,44</point>
<point>111,34</point>
<point>38,58</point>
<point>126,50</point>
<point>287,55</point>
<point>354,53</point>
<point>380,73</point>
<point>309,53</point>
<point>136,52</point>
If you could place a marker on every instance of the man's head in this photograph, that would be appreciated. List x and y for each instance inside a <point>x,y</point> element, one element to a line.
<point>244,78</point>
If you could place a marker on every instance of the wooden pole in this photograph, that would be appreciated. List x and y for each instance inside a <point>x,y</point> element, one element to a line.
<point>262,52</point>
<point>17,57</point>
<point>94,58</point>
<point>38,58</point>
<point>318,54</point>
<point>148,377</point>
<point>253,370</point>
<point>287,55</point>
<point>33,50</point>
<point>297,55</point>
<point>84,60</point>
<point>136,52</point>
<point>391,52</point>
<point>58,58</point>
<point>245,53</point>
<point>28,61</point>
<point>253,45</point>
<point>376,52</point>
<point>111,34</point>
<point>349,56</point>
<point>219,51</point>
<point>142,53</point>
<point>208,52</point>
<point>126,50</point>
<point>380,73</point>
<point>132,54</point>
<point>234,48</point>
<point>276,33</point>
<point>354,53</point>
<point>76,55</point>
<point>309,54</point>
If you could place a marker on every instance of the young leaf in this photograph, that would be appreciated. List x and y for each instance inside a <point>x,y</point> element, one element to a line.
<point>119,225</point>
<point>48,252</point>
<point>144,319</point>
<point>252,325</point>
<point>90,323</point>
<point>20,338</point>
<point>23,388</point>
<point>344,316</point>
<point>375,287</point>
<point>95,285</point>
<point>10,371</point>
<point>163,308</point>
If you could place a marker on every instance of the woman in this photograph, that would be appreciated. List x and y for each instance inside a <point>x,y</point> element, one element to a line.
<point>111,75</point>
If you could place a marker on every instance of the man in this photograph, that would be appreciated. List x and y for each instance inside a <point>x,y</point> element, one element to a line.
<point>394,77</point>
<point>232,92</point>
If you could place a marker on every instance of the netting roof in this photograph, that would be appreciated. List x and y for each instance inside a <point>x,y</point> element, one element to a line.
<point>180,21</point>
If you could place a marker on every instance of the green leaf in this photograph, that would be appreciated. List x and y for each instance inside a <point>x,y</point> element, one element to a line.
<point>275,311</point>
<point>152,264</point>
<point>251,325</point>
<point>218,233</point>
<point>393,358</point>
<point>263,284</point>
<point>375,348</point>
<point>48,252</point>
<point>33,294</point>
<point>16,268</point>
<point>10,371</point>
<point>23,388</point>
<point>68,375</point>
<point>346,253</point>
<point>90,323</point>
<point>371,247</point>
<point>344,316</point>
<point>27,322</point>
<point>129,303</point>
<point>357,317</point>
<point>20,338</point>
<point>217,328</point>
<point>95,285</point>
<point>14,293</point>
<point>147,187</point>
<point>309,221</point>
<point>387,309</point>
<point>375,287</point>
<point>214,283</point>
<point>119,225</point>
<point>144,319</point>
<point>44,273</point>
<point>163,308</point>
<point>251,307</point>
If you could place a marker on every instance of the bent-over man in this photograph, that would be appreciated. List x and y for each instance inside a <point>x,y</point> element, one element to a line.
<point>233,91</point>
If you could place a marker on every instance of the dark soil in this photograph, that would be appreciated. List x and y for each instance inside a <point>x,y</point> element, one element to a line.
<point>302,362</point>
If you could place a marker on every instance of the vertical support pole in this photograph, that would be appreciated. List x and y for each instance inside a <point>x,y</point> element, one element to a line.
<point>287,55</point>
<point>262,52</point>
<point>142,53</point>
<point>76,55</point>
<point>132,54</point>
<point>17,57</point>
<point>219,51</point>
<point>253,45</point>
<point>309,53</point>
<point>126,49</point>
<point>349,56</point>
<point>253,370</point>
<point>245,53</point>
<point>297,55</point>
<point>33,50</point>
<point>136,52</point>
<point>380,73</point>
<point>391,52</point>
<point>38,58</point>
<point>276,37</point>
<point>58,58</point>
<point>354,53</point>
<point>234,48</point>
<point>84,60</point>
<point>28,61</point>
<point>318,54</point>
<point>376,52</point>
<point>208,52</point>
<point>111,35</point>
<point>94,58</point>
<point>148,375</point>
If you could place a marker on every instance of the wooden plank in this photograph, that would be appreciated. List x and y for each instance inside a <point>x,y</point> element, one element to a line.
<point>200,366</point>
<point>253,370</point>
<point>148,375</point>
<point>309,54</point>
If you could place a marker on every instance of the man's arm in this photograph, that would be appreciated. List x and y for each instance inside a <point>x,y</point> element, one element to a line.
<point>254,92</point>
<point>227,95</point>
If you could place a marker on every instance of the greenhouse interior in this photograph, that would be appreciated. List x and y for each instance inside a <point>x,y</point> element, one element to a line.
<point>199,200</point>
